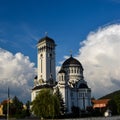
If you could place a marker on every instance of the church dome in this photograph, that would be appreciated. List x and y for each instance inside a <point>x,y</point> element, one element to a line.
<point>47,39</point>
<point>72,62</point>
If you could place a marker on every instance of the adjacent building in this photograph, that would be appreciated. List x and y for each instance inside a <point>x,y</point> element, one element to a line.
<point>102,103</point>
<point>1,110</point>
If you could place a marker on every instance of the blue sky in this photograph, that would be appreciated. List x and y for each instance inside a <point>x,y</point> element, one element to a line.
<point>68,22</point>
<point>24,22</point>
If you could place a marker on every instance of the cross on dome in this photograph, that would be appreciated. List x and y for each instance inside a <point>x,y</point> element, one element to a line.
<point>71,53</point>
<point>46,34</point>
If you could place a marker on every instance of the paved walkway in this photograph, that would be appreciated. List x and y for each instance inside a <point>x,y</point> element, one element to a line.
<point>98,118</point>
<point>90,118</point>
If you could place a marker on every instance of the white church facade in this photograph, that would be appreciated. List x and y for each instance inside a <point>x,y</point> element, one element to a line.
<point>70,80</point>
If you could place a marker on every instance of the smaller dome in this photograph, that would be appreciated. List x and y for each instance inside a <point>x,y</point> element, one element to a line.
<point>83,85</point>
<point>35,77</point>
<point>47,39</point>
<point>62,71</point>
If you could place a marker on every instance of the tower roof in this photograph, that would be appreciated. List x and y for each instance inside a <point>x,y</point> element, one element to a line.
<point>47,39</point>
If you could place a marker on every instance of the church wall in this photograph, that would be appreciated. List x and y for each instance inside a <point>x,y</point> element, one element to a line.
<point>73,96</point>
<point>84,98</point>
<point>66,97</point>
<point>33,95</point>
<point>69,102</point>
<point>63,92</point>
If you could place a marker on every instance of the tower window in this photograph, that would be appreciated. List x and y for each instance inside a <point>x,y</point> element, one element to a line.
<point>62,77</point>
<point>41,56</point>
<point>74,70</point>
<point>50,55</point>
<point>50,62</point>
<point>71,70</point>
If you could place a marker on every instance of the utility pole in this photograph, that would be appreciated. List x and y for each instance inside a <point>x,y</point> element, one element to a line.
<point>8,100</point>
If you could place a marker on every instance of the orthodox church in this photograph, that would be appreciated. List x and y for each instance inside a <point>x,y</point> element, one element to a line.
<point>70,80</point>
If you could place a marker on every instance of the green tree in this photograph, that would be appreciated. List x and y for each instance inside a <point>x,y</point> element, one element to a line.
<point>27,111</point>
<point>62,104</point>
<point>16,107</point>
<point>75,111</point>
<point>5,108</point>
<point>112,106</point>
<point>46,104</point>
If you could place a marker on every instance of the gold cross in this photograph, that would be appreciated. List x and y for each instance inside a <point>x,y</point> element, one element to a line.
<point>46,33</point>
<point>71,53</point>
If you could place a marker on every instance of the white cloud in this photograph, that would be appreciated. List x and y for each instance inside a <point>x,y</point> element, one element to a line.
<point>100,57</point>
<point>17,72</point>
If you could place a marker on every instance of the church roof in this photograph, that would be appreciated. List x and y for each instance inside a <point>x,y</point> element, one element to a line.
<point>42,86</point>
<point>72,61</point>
<point>47,39</point>
<point>62,71</point>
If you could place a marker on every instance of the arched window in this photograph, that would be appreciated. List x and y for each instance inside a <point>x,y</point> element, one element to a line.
<point>72,70</point>
<point>75,70</point>
<point>50,62</point>
<point>62,78</point>
<point>41,57</point>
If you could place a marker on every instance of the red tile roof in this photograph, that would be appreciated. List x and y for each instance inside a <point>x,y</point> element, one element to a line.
<point>100,103</point>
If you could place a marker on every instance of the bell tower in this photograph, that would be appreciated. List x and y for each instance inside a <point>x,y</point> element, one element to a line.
<point>46,61</point>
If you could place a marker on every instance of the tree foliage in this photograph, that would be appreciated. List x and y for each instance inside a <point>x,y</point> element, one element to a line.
<point>27,111</point>
<point>113,107</point>
<point>62,104</point>
<point>46,104</point>
<point>75,111</point>
<point>16,108</point>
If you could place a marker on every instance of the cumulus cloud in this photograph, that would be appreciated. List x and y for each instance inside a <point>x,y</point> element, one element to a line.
<point>100,57</point>
<point>17,73</point>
